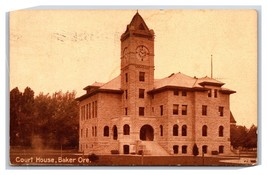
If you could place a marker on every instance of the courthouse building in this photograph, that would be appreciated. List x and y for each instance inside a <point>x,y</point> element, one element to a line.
<point>135,112</point>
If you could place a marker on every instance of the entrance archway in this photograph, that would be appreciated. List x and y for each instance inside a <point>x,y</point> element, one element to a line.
<point>147,133</point>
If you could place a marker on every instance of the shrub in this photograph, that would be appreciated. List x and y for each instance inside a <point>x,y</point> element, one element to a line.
<point>195,150</point>
<point>214,152</point>
<point>93,157</point>
<point>114,151</point>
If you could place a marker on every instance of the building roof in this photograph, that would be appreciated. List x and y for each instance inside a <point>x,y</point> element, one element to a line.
<point>183,81</point>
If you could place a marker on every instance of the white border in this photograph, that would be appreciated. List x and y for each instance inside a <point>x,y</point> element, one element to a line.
<point>10,5</point>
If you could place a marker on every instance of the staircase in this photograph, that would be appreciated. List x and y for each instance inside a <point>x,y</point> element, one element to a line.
<point>152,148</point>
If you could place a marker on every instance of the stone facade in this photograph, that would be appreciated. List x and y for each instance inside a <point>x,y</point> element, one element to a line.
<point>134,112</point>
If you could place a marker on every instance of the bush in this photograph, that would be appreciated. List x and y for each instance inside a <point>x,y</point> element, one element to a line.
<point>93,157</point>
<point>214,152</point>
<point>195,150</point>
<point>114,151</point>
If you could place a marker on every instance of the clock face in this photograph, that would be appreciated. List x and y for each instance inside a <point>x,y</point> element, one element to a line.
<point>142,52</point>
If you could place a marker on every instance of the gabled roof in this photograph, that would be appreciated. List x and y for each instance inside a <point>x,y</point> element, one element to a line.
<point>137,27</point>
<point>232,119</point>
<point>183,81</point>
<point>113,86</point>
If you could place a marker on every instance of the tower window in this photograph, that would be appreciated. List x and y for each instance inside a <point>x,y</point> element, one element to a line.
<point>221,110</point>
<point>215,93</point>
<point>184,93</point>
<point>126,77</point>
<point>204,109</point>
<point>141,76</point>
<point>95,131</point>
<point>221,131</point>
<point>176,92</point>
<point>126,111</point>
<point>141,93</point>
<point>141,111</point>
<point>209,93</point>
<point>115,132</point>
<point>126,94</point>
<point>184,109</point>
<point>161,109</point>
<point>175,109</point>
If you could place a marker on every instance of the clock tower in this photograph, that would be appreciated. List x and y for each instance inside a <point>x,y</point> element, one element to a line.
<point>137,67</point>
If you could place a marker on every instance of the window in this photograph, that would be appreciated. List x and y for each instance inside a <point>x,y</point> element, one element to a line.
<point>184,130</point>
<point>184,149</point>
<point>175,109</point>
<point>86,132</point>
<point>176,92</point>
<point>209,93</point>
<point>184,93</point>
<point>126,130</point>
<point>126,77</point>
<point>81,133</point>
<point>95,131</point>
<point>204,149</point>
<point>184,109</point>
<point>106,131</point>
<point>161,109</point>
<point>215,93</point>
<point>204,109</point>
<point>95,108</point>
<point>141,111</point>
<point>221,131</point>
<point>141,76</point>
<point>175,130</point>
<point>221,149</point>
<point>141,93</point>
<point>204,130</point>
<point>161,130</point>
<point>221,111</point>
<point>175,149</point>
<point>126,94</point>
<point>126,111</point>
<point>86,111</point>
<point>152,109</point>
<point>115,132</point>
<point>89,110</point>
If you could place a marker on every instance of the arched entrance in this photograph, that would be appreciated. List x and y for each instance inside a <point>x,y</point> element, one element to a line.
<point>147,133</point>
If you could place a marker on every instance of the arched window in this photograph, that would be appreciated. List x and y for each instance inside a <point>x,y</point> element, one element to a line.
<point>161,130</point>
<point>221,131</point>
<point>115,132</point>
<point>106,131</point>
<point>204,130</point>
<point>184,130</point>
<point>175,130</point>
<point>205,149</point>
<point>221,149</point>
<point>126,130</point>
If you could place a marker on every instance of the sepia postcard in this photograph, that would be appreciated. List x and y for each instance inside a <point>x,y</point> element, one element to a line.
<point>133,87</point>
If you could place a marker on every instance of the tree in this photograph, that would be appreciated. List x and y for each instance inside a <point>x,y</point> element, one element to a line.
<point>15,110</point>
<point>238,136</point>
<point>195,150</point>
<point>251,138</point>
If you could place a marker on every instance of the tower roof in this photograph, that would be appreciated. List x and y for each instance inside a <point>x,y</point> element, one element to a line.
<point>137,27</point>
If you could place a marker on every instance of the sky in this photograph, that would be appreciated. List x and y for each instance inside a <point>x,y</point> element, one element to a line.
<point>52,50</point>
